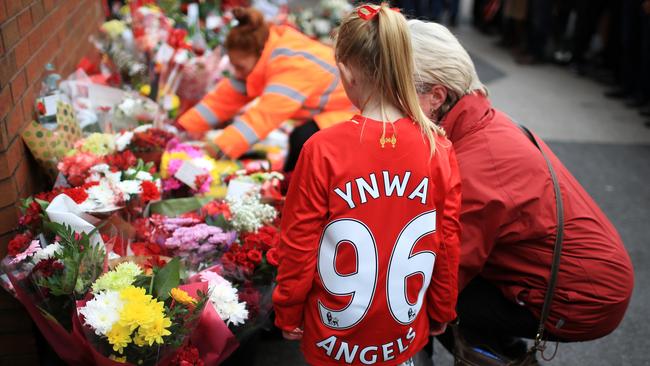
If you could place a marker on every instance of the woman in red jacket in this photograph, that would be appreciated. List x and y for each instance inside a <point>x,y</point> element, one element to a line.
<point>369,246</point>
<point>508,216</point>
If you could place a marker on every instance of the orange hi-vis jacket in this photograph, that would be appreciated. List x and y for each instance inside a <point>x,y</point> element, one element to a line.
<point>295,78</point>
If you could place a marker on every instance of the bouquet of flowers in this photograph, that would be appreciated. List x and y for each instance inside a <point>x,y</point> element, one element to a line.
<point>184,166</point>
<point>48,278</point>
<point>145,141</point>
<point>137,318</point>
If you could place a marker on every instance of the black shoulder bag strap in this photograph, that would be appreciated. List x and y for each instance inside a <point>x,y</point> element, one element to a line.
<point>558,245</point>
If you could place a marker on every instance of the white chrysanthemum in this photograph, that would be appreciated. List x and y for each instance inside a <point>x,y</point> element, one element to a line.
<point>142,128</point>
<point>234,313</point>
<point>130,187</point>
<point>123,140</point>
<point>100,195</point>
<point>102,311</point>
<point>224,298</point>
<point>249,213</point>
<point>142,175</point>
<point>100,168</point>
<point>47,252</point>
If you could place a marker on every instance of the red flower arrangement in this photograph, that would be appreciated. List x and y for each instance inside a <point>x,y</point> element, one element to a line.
<point>188,356</point>
<point>216,208</point>
<point>121,160</point>
<point>151,139</point>
<point>18,244</point>
<point>150,191</point>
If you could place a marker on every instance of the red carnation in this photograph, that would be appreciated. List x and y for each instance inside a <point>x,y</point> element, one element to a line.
<point>121,161</point>
<point>47,267</point>
<point>150,191</point>
<point>18,244</point>
<point>254,256</point>
<point>241,258</point>
<point>273,257</point>
<point>32,214</point>
<point>249,267</point>
<point>78,194</point>
<point>188,356</point>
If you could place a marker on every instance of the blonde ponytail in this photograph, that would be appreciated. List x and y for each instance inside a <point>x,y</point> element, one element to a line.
<point>381,48</point>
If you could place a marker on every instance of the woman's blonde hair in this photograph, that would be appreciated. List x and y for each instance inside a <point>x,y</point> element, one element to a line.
<point>380,49</point>
<point>440,59</point>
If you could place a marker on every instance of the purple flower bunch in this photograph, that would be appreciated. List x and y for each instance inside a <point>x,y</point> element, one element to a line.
<point>200,245</point>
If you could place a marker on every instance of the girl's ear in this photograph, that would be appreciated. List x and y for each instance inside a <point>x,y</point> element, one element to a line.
<point>346,74</point>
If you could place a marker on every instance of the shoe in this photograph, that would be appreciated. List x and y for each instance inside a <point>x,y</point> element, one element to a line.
<point>618,93</point>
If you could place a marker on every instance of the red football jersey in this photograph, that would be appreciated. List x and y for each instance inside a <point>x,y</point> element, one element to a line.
<point>369,244</point>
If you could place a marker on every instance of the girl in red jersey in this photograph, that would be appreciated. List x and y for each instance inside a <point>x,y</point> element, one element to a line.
<point>370,233</point>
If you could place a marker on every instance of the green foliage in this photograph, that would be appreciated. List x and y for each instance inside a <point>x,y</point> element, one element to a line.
<point>82,262</point>
<point>166,278</point>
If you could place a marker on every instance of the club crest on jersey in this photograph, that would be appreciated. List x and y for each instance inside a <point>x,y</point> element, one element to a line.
<point>392,185</point>
<point>331,320</point>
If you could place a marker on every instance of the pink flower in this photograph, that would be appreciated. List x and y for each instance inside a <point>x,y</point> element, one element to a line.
<point>33,248</point>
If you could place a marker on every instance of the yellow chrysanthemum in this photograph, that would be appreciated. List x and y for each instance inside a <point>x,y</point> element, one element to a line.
<point>135,314</point>
<point>154,331</point>
<point>119,337</point>
<point>120,359</point>
<point>139,340</point>
<point>182,297</point>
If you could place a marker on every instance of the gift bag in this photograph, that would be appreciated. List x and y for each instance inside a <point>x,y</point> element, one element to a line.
<point>49,146</point>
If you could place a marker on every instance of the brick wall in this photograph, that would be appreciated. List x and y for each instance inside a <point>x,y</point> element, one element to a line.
<point>32,34</point>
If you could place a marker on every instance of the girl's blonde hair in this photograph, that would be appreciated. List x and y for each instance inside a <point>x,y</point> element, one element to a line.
<point>380,49</point>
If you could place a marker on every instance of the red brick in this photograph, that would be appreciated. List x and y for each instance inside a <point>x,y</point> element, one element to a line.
<point>13,7</point>
<point>35,67</point>
<point>18,86</point>
<point>3,11</point>
<point>48,5</point>
<point>10,159</point>
<point>4,140</point>
<point>15,121</point>
<point>22,176</point>
<point>37,12</point>
<point>9,193</point>
<point>5,101</point>
<point>7,68</point>
<point>10,33</point>
<point>25,21</point>
<point>28,104</point>
<point>8,221</point>
<point>22,52</point>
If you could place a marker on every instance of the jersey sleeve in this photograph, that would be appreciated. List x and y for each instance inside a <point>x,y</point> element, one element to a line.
<point>443,290</point>
<point>304,217</point>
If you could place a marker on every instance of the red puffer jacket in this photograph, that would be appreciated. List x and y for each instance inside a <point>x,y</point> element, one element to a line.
<point>508,221</point>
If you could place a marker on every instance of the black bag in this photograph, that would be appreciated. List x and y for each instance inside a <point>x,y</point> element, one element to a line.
<point>466,354</point>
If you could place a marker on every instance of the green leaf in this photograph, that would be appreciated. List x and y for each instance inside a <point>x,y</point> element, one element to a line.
<point>175,207</point>
<point>167,278</point>
<point>219,221</point>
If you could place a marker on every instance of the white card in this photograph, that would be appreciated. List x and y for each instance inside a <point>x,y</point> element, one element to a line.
<point>164,53</point>
<point>238,188</point>
<point>188,172</point>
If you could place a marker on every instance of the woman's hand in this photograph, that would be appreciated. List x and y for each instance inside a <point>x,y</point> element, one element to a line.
<point>294,335</point>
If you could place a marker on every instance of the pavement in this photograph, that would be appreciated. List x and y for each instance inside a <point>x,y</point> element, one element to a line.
<point>605,145</point>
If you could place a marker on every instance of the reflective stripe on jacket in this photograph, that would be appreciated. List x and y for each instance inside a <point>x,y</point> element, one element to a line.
<point>295,78</point>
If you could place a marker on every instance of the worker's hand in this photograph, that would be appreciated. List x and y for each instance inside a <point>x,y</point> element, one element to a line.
<point>294,335</point>
<point>210,146</point>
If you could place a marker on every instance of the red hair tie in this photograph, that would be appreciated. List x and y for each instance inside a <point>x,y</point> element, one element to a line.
<point>367,12</point>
